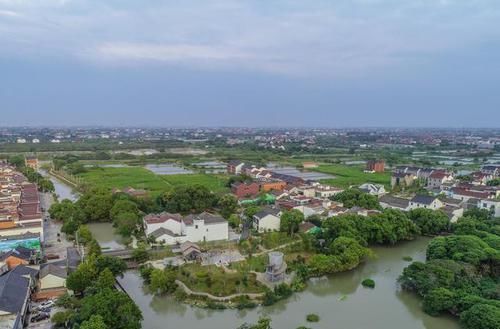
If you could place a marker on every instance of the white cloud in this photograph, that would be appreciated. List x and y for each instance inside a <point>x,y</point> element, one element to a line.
<point>9,13</point>
<point>168,53</point>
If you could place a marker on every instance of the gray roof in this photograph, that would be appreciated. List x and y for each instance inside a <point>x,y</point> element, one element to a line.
<point>54,270</point>
<point>162,231</point>
<point>394,201</point>
<point>25,270</point>
<point>13,292</point>
<point>73,257</point>
<point>207,218</point>
<point>423,199</point>
<point>267,211</point>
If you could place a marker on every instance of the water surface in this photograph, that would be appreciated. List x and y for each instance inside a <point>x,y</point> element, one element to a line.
<point>385,307</point>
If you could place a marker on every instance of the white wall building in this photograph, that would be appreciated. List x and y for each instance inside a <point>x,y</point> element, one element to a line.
<point>173,228</point>
<point>267,219</point>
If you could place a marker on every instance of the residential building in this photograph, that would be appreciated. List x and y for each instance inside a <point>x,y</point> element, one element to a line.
<point>245,190</point>
<point>173,228</point>
<point>391,202</point>
<point>268,219</point>
<point>234,167</point>
<point>375,166</point>
<point>31,161</point>
<point>425,201</point>
<point>52,281</point>
<point>402,179</point>
<point>493,170</point>
<point>373,189</point>
<point>437,178</point>
<point>491,205</point>
<point>267,185</point>
<point>15,290</point>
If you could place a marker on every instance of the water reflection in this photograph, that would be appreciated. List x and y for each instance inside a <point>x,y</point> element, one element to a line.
<point>385,307</point>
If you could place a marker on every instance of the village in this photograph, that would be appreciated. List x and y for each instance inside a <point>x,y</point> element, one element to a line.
<point>255,254</point>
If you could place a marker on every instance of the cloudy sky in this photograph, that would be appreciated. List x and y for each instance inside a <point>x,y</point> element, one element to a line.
<point>250,63</point>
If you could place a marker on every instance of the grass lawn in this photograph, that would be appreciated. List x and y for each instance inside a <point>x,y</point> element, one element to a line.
<point>215,281</point>
<point>142,178</point>
<point>216,183</point>
<point>352,175</point>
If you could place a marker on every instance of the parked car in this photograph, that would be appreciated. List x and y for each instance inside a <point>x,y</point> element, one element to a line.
<point>47,303</point>
<point>40,317</point>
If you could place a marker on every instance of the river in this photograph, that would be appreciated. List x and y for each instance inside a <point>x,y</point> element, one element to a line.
<point>385,307</point>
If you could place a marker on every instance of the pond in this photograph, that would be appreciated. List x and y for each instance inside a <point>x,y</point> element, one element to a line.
<point>105,234</point>
<point>307,175</point>
<point>167,169</point>
<point>340,301</point>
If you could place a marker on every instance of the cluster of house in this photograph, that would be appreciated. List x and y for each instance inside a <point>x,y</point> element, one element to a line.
<point>20,211</point>
<point>23,279</point>
<point>454,194</point>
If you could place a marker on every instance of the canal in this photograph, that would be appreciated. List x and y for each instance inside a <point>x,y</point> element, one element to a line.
<point>340,301</point>
<point>62,190</point>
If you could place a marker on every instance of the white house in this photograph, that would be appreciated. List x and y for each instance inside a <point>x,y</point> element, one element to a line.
<point>173,228</point>
<point>52,277</point>
<point>437,178</point>
<point>268,219</point>
<point>425,201</point>
<point>373,189</point>
<point>490,204</point>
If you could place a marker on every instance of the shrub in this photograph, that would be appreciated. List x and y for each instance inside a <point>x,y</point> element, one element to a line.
<point>407,258</point>
<point>312,317</point>
<point>369,283</point>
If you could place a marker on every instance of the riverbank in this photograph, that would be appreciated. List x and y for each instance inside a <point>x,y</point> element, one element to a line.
<point>339,300</point>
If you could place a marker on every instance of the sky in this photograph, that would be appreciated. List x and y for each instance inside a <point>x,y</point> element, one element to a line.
<point>321,63</point>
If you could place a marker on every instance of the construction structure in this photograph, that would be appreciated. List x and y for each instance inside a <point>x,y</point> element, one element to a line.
<point>276,269</point>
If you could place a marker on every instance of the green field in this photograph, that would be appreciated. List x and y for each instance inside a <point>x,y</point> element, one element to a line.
<point>346,176</point>
<point>216,183</point>
<point>142,178</point>
<point>136,177</point>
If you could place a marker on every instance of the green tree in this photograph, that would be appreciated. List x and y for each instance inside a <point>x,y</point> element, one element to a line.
<point>163,281</point>
<point>116,265</point>
<point>355,197</point>
<point>106,279</point>
<point>95,322</point>
<point>430,222</point>
<point>227,205</point>
<point>116,309</point>
<point>290,221</point>
<point>127,223</point>
<point>439,300</point>
<point>82,277</point>
<point>481,316</point>
<point>123,206</point>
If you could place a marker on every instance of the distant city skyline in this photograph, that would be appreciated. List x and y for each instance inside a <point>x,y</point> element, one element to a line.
<point>348,63</point>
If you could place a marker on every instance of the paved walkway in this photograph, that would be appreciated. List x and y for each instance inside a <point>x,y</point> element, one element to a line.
<point>277,248</point>
<point>216,298</point>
